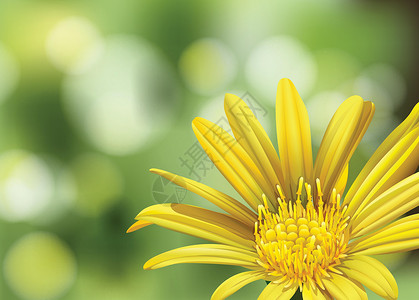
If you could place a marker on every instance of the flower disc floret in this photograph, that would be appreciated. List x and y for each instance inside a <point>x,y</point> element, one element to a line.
<point>301,243</point>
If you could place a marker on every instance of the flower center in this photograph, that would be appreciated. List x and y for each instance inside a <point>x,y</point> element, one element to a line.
<point>300,243</point>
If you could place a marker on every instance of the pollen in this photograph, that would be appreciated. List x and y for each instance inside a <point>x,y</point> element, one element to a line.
<point>302,242</point>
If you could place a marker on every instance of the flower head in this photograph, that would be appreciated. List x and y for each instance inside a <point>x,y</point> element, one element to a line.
<point>297,230</point>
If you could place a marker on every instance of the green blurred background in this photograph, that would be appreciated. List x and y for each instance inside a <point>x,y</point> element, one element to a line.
<point>94,93</point>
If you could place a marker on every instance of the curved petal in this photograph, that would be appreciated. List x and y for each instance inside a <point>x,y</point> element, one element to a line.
<point>253,138</point>
<point>400,236</point>
<point>342,136</point>
<point>223,201</point>
<point>390,205</point>
<point>233,162</point>
<point>401,161</point>
<point>278,291</point>
<point>390,152</point>
<point>313,294</point>
<point>199,222</point>
<point>343,288</point>
<point>205,254</point>
<point>294,138</point>
<point>236,282</point>
<point>371,273</point>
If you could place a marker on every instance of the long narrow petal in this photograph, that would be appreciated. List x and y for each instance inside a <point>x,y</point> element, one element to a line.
<point>387,207</point>
<point>342,136</point>
<point>233,162</point>
<point>223,201</point>
<point>205,254</point>
<point>236,282</point>
<point>294,139</point>
<point>341,183</point>
<point>199,222</point>
<point>400,236</point>
<point>371,273</point>
<point>401,161</point>
<point>313,294</point>
<point>253,138</point>
<point>281,291</point>
<point>343,288</point>
<point>382,160</point>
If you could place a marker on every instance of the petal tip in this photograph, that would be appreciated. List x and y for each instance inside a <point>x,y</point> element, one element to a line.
<point>130,229</point>
<point>285,83</point>
<point>138,225</point>
<point>229,96</point>
<point>356,98</point>
<point>147,265</point>
<point>197,121</point>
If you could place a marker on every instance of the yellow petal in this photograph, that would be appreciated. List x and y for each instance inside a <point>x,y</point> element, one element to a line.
<point>253,138</point>
<point>294,139</point>
<point>382,160</point>
<point>227,203</point>
<point>401,161</point>
<point>343,288</point>
<point>199,222</point>
<point>341,183</point>
<point>236,282</point>
<point>279,291</point>
<point>390,205</point>
<point>138,225</point>
<point>371,273</point>
<point>232,161</point>
<point>400,236</point>
<point>205,254</point>
<point>312,294</point>
<point>342,136</point>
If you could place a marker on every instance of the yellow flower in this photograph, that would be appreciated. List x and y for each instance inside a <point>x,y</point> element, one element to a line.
<point>299,232</point>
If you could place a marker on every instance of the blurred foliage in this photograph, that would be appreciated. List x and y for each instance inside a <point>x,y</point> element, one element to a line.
<point>94,93</point>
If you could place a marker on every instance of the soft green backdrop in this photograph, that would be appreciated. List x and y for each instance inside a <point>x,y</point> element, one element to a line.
<point>94,93</point>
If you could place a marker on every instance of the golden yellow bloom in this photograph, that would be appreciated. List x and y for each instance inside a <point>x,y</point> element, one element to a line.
<point>299,232</point>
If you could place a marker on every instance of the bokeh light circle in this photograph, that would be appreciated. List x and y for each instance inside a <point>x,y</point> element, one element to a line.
<point>9,73</point>
<point>321,109</point>
<point>335,68</point>
<point>98,184</point>
<point>39,266</point>
<point>26,186</point>
<point>74,45</point>
<point>63,195</point>
<point>126,99</point>
<point>382,84</point>
<point>385,87</point>
<point>280,57</point>
<point>207,66</point>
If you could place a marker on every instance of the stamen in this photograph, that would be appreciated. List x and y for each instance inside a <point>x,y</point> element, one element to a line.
<point>319,191</point>
<point>301,244</point>
<point>280,192</point>
<point>265,201</point>
<point>300,188</point>
<point>308,190</point>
